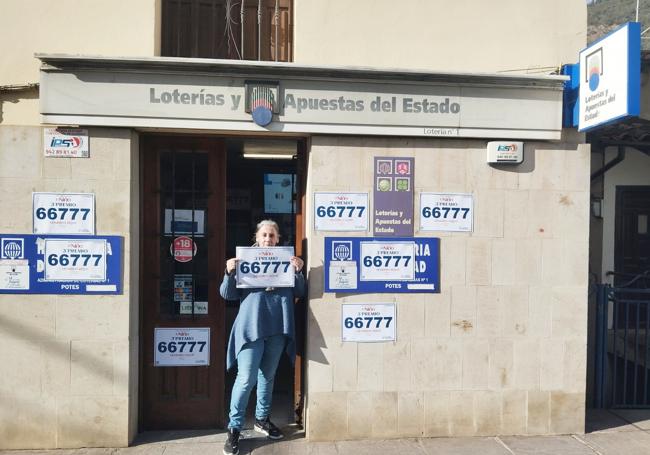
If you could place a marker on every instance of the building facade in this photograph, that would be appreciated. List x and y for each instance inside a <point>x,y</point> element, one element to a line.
<point>495,345</point>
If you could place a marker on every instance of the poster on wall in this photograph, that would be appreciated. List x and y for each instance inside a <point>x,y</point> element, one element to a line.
<point>340,211</point>
<point>265,267</point>
<point>452,212</point>
<point>374,265</point>
<point>393,197</point>
<point>63,213</point>
<point>176,347</point>
<point>368,322</point>
<point>60,264</point>
<point>66,142</point>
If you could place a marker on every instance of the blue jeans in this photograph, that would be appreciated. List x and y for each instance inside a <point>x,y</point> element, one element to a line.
<point>256,364</point>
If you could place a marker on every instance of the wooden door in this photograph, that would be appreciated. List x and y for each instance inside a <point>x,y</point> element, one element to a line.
<point>632,245</point>
<point>183,195</point>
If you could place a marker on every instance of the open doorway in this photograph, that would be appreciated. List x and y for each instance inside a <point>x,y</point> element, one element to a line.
<point>264,181</point>
<point>205,192</point>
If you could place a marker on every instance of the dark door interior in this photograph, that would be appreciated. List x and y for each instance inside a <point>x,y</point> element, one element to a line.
<point>632,247</point>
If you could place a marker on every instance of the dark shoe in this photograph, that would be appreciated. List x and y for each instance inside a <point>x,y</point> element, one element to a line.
<point>231,447</point>
<point>266,426</point>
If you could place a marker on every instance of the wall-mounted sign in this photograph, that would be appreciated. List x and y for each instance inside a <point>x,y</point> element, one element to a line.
<point>63,213</point>
<point>505,152</point>
<point>387,103</point>
<point>66,142</point>
<point>184,223</point>
<point>60,264</point>
<point>446,212</point>
<point>260,267</point>
<point>341,211</point>
<point>393,197</point>
<point>368,322</point>
<point>610,78</point>
<point>183,249</point>
<point>369,264</point>
<point>176,347</point>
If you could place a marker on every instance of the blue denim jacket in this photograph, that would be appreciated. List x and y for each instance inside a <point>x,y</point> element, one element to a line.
<point>261,314</point>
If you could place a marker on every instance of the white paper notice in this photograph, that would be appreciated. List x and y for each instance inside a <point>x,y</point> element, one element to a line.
<point>14,274</point>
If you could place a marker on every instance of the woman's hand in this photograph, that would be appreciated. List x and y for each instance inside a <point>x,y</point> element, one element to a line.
<point>231,265</point>
<point>297,263</point>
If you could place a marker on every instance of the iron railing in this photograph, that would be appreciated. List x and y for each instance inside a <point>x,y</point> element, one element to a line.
<point>622,345</point>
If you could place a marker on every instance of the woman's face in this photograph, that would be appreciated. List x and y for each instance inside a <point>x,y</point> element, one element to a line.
<point>267,236</point>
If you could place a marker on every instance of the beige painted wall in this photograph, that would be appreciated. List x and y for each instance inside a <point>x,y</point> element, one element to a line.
<point>97,27</point>
<point>502,348</point>
<point>439,35</point>
<point>72,359</point>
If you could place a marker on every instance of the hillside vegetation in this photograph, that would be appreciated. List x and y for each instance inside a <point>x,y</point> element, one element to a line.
<point>605,15</point>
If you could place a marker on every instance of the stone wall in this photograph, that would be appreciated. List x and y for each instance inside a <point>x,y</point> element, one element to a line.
<point>69,371</point>
<point>502,348</point>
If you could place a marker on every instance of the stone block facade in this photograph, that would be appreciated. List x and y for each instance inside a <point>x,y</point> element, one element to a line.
<point>501,350</point>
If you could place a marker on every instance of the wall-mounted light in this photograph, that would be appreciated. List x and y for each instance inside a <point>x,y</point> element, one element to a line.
<point>597,207</point>
<point>270,149</point>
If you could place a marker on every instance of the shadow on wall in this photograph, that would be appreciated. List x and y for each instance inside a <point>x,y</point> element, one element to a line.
<point>14,96</point>
<point>35,418</point>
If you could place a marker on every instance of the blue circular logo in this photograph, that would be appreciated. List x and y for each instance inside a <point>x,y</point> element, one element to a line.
<point>341,252</point>
<point>594,79</point>
<point>262,115</point>
<point>12,250</point>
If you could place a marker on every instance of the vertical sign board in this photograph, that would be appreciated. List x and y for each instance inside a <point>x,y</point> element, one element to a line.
<point>370,264</point>
<point>610,78</point>
<point>63,213</point>
<point>60,264</point>
<point>393,197</point>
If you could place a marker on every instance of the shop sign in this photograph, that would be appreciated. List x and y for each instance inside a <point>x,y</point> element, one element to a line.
<point>452,212</point>
<point>341,211</point>
<point>265,267</point>
<point>369,264</point>
<point>183,249</point>
<point>66,142</point>
<point>368,322</point>
<point>393,201</point>
<point>175,347</point>
<point>60,264</point>
<point>63,213</point>
<point>610,78</point>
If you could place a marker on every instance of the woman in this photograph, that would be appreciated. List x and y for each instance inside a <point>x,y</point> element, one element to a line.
<point>264,327</point>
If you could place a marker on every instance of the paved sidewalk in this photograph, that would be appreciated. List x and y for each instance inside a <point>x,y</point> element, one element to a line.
<point>619,432</point>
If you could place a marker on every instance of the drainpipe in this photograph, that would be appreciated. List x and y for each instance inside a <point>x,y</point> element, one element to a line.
<point>619,157</point>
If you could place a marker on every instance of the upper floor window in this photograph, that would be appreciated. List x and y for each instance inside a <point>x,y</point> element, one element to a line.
<point>213,29</point>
